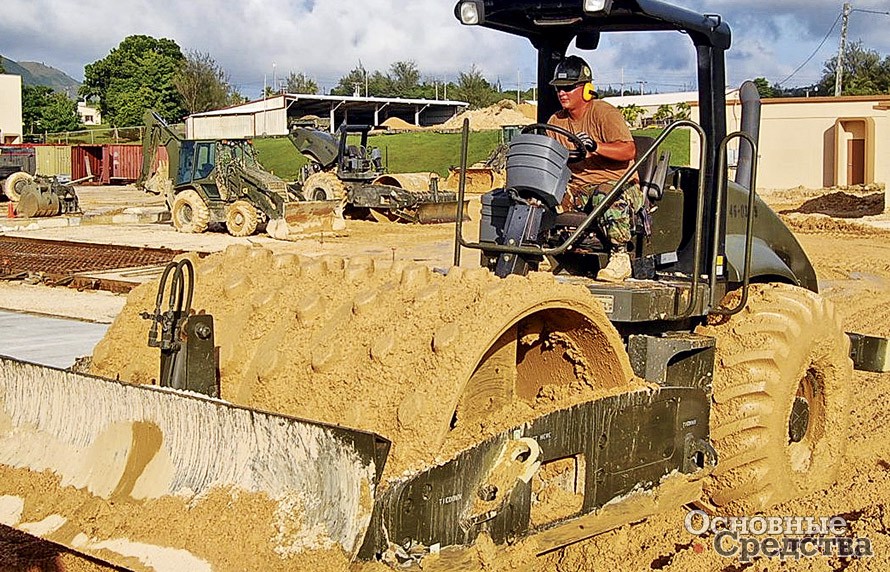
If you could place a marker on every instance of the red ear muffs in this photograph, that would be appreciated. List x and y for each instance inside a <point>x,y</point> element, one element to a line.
<point>588,93</point>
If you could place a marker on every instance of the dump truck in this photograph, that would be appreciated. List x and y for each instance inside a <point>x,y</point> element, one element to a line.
<point>221,181</point>
<point>354,172</point>
<point>289,413</point>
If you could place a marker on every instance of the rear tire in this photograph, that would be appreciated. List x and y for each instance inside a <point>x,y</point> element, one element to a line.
<point>241,218</point>
<point>189,212</point>
<point>780,412</point>
<point>15,184</point>
<point>323,186</point>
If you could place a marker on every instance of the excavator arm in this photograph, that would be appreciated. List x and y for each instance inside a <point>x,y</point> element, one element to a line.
<point>158,133</point>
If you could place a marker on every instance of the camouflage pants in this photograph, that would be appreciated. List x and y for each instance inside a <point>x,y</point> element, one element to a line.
<point>617,223</point>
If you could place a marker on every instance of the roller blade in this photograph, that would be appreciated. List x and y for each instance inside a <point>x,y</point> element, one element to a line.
<point>306,219</point>
<point>440,212</point>
<point>150,479</point>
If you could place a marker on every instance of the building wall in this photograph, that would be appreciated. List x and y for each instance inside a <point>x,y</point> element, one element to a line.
<point>10,108</point>
<point>804,141</point>
<point>89,115</point>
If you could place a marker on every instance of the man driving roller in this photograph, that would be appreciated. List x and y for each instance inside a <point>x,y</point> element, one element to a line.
<point>609,152</point>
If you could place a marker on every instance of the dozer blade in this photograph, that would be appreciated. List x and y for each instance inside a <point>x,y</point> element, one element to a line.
<point>150,479</point>
<point>307,218</point>
<point>439,212</point>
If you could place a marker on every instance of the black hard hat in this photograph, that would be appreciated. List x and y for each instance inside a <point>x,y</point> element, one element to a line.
<point>572,70</point>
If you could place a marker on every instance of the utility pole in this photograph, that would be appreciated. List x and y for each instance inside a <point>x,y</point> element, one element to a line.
<point>518,86</point>
<point>622,82</point>
<point>839,71</point>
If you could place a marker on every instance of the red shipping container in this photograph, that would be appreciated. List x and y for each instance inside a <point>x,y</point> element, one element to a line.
<point>126,163</point>
<point>91,160</point>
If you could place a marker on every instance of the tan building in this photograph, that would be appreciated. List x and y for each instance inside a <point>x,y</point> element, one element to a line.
<point>821,141</point>
<point>10,108</point>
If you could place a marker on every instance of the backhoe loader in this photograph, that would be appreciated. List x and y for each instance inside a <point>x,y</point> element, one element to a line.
<point>221,181</point>
<point>392,413</point>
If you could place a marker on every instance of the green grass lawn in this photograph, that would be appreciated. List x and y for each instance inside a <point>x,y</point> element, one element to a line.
<point>677,143</point>
<point>402,152</point>
<point>429,151</point>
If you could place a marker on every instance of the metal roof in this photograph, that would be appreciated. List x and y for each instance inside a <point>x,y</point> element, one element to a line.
<point>321,104</point>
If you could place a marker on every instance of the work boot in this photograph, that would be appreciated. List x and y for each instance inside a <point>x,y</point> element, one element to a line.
<point>617,270</point>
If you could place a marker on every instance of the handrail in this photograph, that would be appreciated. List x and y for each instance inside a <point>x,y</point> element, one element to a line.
<point>749,225</point>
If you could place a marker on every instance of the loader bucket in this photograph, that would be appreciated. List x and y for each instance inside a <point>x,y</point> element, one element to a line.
<point>150,479</point>
<point>307,218</point>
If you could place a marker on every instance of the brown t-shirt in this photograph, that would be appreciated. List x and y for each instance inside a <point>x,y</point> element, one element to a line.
<point>604,123</point>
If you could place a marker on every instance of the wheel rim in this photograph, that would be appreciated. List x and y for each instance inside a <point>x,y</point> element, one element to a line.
<point>319,195</point>
<point>806,422</point>
<point>186,214</point>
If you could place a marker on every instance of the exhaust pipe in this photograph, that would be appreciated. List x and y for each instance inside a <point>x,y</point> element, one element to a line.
<point>750,98</point>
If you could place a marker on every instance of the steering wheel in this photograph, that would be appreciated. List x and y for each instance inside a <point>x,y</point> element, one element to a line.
<point>576,154</point>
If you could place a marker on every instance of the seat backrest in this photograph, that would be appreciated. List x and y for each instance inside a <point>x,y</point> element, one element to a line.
<point>654,172</point>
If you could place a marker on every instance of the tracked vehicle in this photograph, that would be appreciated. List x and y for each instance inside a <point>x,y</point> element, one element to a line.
<point>392,413</point>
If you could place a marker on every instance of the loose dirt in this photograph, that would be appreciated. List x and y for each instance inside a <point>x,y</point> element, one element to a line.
<point>852,261</point>
<point>503,113</point>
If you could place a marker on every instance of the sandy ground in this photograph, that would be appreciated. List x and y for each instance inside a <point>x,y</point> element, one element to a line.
<point>853,264</point>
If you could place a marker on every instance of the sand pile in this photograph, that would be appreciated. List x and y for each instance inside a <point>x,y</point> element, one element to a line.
<point>503,113</point>
<point>398,124</point>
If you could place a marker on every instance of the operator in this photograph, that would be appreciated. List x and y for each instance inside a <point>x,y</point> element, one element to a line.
<point>609,152</point>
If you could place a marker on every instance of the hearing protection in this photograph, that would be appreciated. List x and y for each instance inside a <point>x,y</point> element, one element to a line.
<point>587,92</point>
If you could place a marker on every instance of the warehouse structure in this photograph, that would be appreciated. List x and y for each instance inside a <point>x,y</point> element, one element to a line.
<point>273,115</point>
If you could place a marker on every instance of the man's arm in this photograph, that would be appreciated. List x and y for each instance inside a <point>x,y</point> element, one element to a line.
<point>616,150</point>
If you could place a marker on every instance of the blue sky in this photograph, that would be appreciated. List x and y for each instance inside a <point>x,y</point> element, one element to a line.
<point>258,40</point>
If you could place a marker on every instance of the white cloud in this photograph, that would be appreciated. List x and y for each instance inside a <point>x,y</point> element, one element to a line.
<point>327,38</point>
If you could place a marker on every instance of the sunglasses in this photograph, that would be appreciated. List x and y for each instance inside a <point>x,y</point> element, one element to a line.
<point>568,88</point>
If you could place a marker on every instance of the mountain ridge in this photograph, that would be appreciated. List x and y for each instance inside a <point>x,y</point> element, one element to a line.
<point>36,73</point>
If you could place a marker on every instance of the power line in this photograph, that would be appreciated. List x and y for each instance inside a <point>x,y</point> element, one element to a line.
<point>869,11</point>
<point>819,47</point>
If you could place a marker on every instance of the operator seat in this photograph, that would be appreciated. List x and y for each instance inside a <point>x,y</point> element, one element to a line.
<point>652,175</point>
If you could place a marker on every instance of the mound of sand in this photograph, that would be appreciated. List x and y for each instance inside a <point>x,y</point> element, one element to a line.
<point>503,113</point>
<point>397,124</point>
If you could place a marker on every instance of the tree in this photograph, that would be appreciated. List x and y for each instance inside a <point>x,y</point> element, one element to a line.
<point>352,82</point>
<point>45,111</point>
<point>683,111</point>
<point>763,87</point>
<point>405,79</point>
<point>864,72</point>
<point>632,113</point>
<point>473,88</point>
<point>301,83</point>
<point>202,84</point>
<point>663,113</point>
<point>135,76</point>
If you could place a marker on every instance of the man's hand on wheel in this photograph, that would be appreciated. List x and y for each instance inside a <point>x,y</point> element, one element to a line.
<point>589,143</point>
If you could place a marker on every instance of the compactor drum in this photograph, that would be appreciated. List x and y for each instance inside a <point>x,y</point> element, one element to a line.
<point>306,413</point>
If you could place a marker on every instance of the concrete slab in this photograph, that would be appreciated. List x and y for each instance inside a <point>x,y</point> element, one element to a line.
<point>47,340</point>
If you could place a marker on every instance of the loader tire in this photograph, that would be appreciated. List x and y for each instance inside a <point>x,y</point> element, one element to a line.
<point>780,402</point>
<point>241,218</point>
<point>15,184</point>
<point>189,212</point>
<point>324,186</point>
